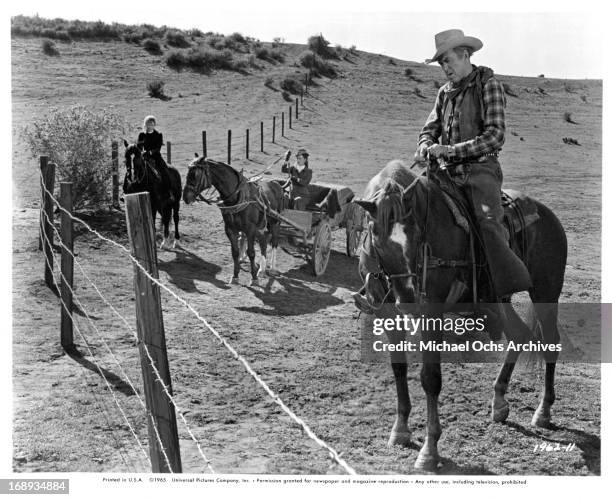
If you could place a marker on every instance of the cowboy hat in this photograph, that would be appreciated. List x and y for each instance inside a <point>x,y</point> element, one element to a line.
<point>451,39</point>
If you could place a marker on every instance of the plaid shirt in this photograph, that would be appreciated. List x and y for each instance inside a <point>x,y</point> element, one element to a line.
<point>492,137</point>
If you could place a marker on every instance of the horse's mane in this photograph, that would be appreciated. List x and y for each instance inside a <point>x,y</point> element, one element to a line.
<point>132,149</point>
<point>387,190</point>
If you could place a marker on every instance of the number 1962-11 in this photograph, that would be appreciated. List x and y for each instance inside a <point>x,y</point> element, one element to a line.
<point>539,448</point>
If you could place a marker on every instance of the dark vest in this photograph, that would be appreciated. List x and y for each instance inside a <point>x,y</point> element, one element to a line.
<point>470,114</point>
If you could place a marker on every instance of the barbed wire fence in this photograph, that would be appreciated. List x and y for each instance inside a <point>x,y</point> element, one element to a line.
<point>160,405</point>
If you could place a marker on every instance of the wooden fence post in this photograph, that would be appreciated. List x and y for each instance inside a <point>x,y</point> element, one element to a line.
<point>169,152</point>
<point>283,124</point>
<point>302,97</point>
<point>67,266</point>
<point>296,109</point>
<point>151,336</point>
<point>48,181</point>
<point>247,143</point>
<point>289,116</point>
<point>204,148</point>
<point>273,129</point>
<point>115,172</point>
<point>229,147</point>
<point>261,134</point>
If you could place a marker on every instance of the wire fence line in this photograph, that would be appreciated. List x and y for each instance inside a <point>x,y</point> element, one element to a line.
<point>91,354</point>
<point>334,455</point>
<point>135,335</point>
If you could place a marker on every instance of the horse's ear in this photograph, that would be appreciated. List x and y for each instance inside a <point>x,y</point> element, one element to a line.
<point>368,206</point>
<point>125,143</point>
<point>196,155</point>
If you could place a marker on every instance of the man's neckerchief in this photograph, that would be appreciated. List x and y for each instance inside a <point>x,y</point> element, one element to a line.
<point>481,72</point>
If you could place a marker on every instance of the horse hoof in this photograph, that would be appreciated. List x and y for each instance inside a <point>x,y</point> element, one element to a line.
<point>233,281</point>
<point>500,413</point>
<point>426,462</point>
<point>398,438</point>
<point>541,417</point>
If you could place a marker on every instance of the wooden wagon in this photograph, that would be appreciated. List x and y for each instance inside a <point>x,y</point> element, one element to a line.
<point>311,230</point>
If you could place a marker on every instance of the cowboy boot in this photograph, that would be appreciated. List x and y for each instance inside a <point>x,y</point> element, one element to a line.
<point>508,272</point>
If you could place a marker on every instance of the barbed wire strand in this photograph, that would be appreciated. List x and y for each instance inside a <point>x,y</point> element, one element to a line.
<point>89,349</point>
<point>135,335</point>
<point>334,455</point>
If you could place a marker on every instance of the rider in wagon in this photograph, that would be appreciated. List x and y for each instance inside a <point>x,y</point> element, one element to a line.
<point>151,141</point>
<point>300,177</point>
<point>465,130</point>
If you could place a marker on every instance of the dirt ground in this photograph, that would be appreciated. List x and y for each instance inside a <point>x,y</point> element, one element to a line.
<point>300,333</point>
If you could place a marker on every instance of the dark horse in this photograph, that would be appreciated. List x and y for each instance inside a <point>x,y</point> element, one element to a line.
<point>141,176</point>
<point>245,208</point>
<point>406,209</point>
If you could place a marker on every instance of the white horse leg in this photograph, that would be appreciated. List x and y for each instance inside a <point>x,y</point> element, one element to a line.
<point>273,260</point>
<point>242,241</point>
<point>262,266</point>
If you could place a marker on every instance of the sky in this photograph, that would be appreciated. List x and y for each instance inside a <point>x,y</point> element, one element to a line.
<point>538,38</point>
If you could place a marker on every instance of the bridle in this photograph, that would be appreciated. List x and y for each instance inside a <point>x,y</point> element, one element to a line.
<point>204,182</point>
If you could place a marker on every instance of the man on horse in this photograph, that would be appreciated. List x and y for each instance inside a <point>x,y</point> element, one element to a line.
<point>465,133</point>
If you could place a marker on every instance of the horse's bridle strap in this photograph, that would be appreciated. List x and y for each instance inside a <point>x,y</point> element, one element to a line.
<point>433,262</point>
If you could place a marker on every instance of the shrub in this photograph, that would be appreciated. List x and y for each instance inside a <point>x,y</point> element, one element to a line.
<point>583,98</point>
<point>270,83</point>
<point>77,140</point>
<point>392,62</point>
<point>570,140</point>
<point>353,49</point>
<point>270,55</point>
<point>132,38</point>
<point>418,92</point>
<point>316,65</point>
<point>287,96</point>
<point>408,72</point>
<point>320,47</point>
<point>152,47</point>
<point>541,76</point>
<point>195,32</point>
<point>155,88</point>
<point>238,38</point>
<point>277,55</point>
<point>437,84</point>
<point>262,53</point>
<point>277,40</point>
<point>176,39</point>
<point>49,48</point>
<point>567,116</point>
<point>176,59</point>
<point>204,59</point>
<point>292,85</point>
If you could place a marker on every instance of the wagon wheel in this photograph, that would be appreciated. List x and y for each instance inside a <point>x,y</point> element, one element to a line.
<point>321,248</point>
<point>354,230</point>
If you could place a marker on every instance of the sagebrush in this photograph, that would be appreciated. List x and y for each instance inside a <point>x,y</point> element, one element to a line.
<point>49,48</point>
<point>316,65</point>
<point>78,140</point>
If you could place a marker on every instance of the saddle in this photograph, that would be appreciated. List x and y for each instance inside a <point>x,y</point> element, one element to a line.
<point>520,211</point>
